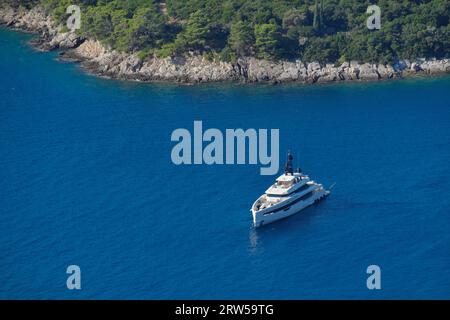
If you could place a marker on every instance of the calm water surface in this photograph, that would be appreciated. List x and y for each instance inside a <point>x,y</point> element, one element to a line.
<point>86,178</point>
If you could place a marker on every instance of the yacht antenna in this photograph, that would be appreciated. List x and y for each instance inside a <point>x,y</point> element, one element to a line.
<point>288,168</point>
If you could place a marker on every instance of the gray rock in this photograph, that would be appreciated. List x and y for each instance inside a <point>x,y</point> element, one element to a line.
<point>312,67</point>
<point>345,65</point>
<point>436,66</point>
<point>385,71</point>
<point>353,71</point>
<point>368,72</point>
<point>328,73</point>
<point>290,72</point>
<point>67,40</point>
<point>302,71</point>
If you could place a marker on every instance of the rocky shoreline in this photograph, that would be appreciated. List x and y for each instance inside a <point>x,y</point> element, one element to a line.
<point>102,61</point>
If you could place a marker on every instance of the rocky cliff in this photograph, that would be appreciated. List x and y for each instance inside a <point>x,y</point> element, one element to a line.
<point>195,69</point>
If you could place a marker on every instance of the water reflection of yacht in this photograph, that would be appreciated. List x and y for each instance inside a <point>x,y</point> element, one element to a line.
<point>292,192</point>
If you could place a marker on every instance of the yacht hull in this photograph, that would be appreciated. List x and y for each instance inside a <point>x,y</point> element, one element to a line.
<point>261,218</point>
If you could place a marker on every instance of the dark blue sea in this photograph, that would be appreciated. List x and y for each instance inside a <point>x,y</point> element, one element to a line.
<point>86,178</point>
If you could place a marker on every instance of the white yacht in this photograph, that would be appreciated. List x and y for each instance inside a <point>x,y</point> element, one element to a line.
<point>292,192</point>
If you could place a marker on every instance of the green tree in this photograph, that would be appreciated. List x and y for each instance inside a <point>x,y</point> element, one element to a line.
<point>147,29</point>
<point>241,38</point>
<point>267,40</point>
<point>195,34</point>
<point>294,17</point>
<point>316,21</point>
<point>309,29</point>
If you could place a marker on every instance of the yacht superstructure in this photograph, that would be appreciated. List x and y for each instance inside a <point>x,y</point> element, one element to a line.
<point>292,192</point>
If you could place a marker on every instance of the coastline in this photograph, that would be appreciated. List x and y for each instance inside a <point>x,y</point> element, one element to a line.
<point>99,60</point>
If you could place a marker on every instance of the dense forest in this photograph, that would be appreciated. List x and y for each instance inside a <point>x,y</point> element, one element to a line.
<point>310,30</point>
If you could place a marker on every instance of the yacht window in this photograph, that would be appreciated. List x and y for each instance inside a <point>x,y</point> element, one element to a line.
<point>284,184</point>
<point>275,195</point>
